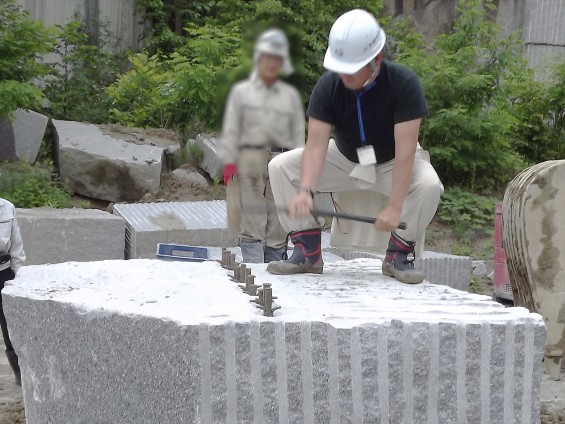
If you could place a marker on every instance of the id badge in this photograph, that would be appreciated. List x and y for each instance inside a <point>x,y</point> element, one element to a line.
<point>366,155</point>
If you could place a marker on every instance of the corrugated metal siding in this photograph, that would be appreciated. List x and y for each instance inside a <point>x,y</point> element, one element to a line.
<point>189,215</point>
<point>544,35</point>
<point>202,223</point>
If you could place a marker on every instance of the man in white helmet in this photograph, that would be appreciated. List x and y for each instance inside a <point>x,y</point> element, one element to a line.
<point>374,109</point>
<point>264,117</point>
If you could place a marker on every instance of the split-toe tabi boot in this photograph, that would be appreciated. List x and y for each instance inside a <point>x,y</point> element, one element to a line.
<point>399,261</point>
<point>306,257</point>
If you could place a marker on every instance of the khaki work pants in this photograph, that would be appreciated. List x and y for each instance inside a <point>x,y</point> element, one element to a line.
<point>258,223</point>
<point>420,203</point>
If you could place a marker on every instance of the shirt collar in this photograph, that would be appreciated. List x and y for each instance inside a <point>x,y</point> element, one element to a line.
<point>258,82</point>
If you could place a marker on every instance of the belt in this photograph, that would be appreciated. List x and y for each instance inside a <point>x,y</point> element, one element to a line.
<point>266,148</point>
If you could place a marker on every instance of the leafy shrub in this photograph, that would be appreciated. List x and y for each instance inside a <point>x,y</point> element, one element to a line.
<point>467,213</point>
<point>85,66</point>
<point>23,41</point>
<point>28,187</point>
<point>467,76</point>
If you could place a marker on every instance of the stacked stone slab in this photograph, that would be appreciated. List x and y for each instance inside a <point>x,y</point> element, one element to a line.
<point>534,240</point>
<point>151,341</point>
<point>188,223</point>
<point>211,160</point>
<point>20,138</point>
<point>97,165</point>
<point>61,235</point>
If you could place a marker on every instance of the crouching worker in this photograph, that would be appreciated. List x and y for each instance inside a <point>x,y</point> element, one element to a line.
<point>12,256</point>
<point>263,118</point>
<point>374,108</point>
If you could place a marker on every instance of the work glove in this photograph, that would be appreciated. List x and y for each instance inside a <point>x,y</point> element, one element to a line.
<point>230,172</point>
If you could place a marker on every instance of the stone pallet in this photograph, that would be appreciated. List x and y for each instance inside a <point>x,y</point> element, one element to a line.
<point>62,235</point>
<point>188,223</point>
<point>151,341</point>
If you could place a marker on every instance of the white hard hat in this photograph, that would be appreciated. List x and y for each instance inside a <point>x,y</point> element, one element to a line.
<point>355,39</point>
<point>273,41</point>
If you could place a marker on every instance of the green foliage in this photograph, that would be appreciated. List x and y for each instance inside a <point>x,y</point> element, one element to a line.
<point>28,187</point>
<point>85,66</point>
<point>174,91</point>
<point>192,153</point>
<point>468,214</point>
<point>467,77</point>
<point>23,41</point>
<point>207,46</point>
<point>141,96</point>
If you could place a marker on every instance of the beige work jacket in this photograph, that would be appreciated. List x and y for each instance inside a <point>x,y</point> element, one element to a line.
<point>258,115</point>
<point>10,237</point>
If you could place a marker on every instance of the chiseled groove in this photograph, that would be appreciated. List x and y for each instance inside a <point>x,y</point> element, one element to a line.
<point>356,376</point>
<point>333,366</point>
<point>408,374</point>
<point>307,378</point>
<point>205,376</point>
<point>528,377</point>
<point>461,349</point>
<point>382,363</point>
<point>509,356</point>
<point>256,379</point>
<point>486,339</point>
<point>434,375</point>
<point>231,385</point>
<point>282,372</point>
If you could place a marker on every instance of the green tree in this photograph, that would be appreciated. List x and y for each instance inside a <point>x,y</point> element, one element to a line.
<point>85,66</point>
<point>22,42</point>
<point>467,76</point>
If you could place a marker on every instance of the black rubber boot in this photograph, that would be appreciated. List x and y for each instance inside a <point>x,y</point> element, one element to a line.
<point>306,257</point>
<point>399,261</point>
<point>271,254</point>
<point>13,360</point>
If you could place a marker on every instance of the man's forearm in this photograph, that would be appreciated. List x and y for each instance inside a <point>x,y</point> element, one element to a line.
<point>312,164</point>
<point>401,177</point>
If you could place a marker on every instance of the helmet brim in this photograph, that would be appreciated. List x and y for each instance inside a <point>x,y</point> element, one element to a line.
<point>338,66</point>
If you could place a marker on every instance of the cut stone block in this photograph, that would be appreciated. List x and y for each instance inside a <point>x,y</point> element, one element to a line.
<point>21,138</point>
<point>62,235</point>
<point>533,237</point>
<point>211,160</point>
<point>98,165</point>
<point>189,223</point>
<point>439,268</point>
<point>147,341</point>
<point>190,178</point>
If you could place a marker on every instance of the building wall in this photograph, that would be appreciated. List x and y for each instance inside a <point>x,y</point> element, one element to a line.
<point>541,24</point>
<point>123,17</point>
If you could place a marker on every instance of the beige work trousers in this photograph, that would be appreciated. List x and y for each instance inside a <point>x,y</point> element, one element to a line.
<point>418,209</point>
<point>258,223</point>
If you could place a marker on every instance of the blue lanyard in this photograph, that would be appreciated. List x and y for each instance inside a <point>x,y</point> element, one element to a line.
<point>359,114</point>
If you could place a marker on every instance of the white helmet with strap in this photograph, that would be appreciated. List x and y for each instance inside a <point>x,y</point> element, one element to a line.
<point>273,41</point>
<point>355,39</point>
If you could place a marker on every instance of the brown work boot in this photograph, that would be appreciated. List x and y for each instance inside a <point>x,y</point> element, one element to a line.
<point>306,257</point>
<point>399,261</point>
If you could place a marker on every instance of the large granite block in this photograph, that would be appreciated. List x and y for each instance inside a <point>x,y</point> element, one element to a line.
<point>21,138</point>
<point>211,159</point>
<point>98,165</point>
<point>147,341</point>
<point>62,235</point>
<point>188,223</point>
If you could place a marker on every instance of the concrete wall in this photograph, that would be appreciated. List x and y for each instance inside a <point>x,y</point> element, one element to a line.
<point>540,22</point>
<point>123,16</point>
